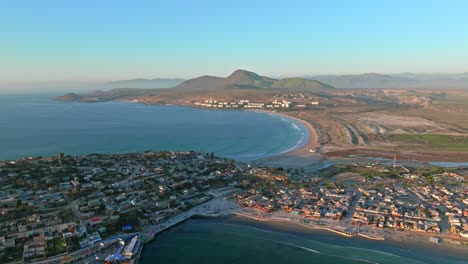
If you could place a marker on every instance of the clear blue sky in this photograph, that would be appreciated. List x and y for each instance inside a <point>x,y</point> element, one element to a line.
<point>42,40</point>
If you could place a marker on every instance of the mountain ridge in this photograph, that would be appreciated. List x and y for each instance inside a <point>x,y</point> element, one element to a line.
<point>156,83</point>
<point>388,81</point>
<point>244,79</point>
<point>238,82</point>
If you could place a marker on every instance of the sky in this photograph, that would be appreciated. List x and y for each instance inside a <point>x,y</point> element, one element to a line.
<point>88,40</point>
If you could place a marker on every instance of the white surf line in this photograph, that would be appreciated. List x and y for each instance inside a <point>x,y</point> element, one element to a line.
<point>301,247</point>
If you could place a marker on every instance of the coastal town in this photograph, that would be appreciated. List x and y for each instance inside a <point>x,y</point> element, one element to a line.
<point>102,208</point>
<point>66,208</point>
<point>283,101</point>
<point>425,202</point>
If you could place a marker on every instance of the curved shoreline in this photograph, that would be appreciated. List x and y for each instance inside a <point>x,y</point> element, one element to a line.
<point>304,156</point>
<point>295,223</point>
<point>301,149</point>
<point>308,141</point>
<point>312,136</point>
<point>301,156</point>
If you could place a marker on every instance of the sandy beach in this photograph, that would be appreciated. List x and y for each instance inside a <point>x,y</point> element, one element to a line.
<point>417,241</point>
<point>304,240</point>
<point>411,245</point>
<point>301,157</point>
<point>407,241</point>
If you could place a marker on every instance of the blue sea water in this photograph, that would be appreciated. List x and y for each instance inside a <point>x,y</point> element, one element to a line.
<point>32,125</point>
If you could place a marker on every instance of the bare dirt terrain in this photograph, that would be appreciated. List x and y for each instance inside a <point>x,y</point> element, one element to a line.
<point>431,132</point>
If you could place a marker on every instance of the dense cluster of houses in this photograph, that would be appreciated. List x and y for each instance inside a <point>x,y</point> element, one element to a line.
<point>308,202</point>
<point>78,200</point>
<point>301,99</point>
<point>421,205</point>
<point>429,202</point>
<point>69,204</point>
<point>395,208</point>
<point>213,103</point>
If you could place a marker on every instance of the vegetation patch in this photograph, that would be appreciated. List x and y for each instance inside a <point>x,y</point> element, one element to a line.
<point>432,141</point>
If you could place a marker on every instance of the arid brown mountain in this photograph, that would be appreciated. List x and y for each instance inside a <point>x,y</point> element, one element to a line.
<point>237,82</point>
<point>367,80</point>
<point>238,79</point>
<point>390,81</point>
<point>249,80</point>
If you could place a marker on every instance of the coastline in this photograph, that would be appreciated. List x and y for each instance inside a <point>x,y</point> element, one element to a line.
<point>296,223</point>
<point>312,137</point>
<point>310,142</point>
<point>322,156</point>
<point>416,243</point>
<point>296,156</point>
<point>226,211</point>
<point>254,145</point>
<point>300,157</point>
<point>410,247</point>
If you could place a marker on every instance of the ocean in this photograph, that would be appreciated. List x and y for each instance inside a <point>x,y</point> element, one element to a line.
<point>37,125</point>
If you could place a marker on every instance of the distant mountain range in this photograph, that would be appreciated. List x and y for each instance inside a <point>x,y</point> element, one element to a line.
<point>433,76</point>
<point>157,83</point>
<point>88,86</point>
<point>403,80</point>
<point>247,79</point>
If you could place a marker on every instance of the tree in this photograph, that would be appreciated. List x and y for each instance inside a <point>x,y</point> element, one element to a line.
<point>102,207</point>
<point>19,203</point>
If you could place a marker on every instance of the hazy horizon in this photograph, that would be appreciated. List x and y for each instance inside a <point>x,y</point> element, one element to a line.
<point>60,86</point>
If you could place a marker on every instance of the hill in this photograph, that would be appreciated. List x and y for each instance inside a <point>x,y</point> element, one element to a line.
<point>301,84</point>
<point>367,80</point>
<point>240,82</point>
<point>110,95</point>
<point>402,80</point>
<point>243,79</point>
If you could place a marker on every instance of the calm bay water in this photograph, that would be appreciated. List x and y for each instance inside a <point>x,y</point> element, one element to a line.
<point>37,125</point>
<point>233,240</point>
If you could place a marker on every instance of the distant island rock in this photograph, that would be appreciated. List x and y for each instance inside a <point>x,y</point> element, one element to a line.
<point>69,97</point>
